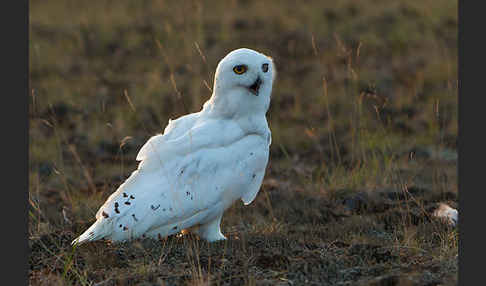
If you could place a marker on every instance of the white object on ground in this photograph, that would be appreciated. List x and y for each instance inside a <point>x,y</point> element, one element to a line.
<point>446,212</point>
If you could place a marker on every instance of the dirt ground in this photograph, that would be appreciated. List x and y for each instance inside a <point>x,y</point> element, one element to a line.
<point>307,240</point>
<point>364,135</point>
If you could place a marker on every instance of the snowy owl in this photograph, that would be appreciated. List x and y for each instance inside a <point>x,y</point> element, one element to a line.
<point>202,163</point>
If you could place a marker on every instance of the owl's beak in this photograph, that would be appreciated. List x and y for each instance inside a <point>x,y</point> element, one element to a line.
<point>255,86</point>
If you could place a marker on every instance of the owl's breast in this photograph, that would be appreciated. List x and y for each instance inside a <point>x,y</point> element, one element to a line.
<point>211,175</point>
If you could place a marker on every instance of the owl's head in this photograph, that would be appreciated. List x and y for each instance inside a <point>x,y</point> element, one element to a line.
<point>243,83</point>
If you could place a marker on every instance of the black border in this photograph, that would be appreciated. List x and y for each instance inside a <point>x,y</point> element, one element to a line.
<point>14,139</point>
<point>471,144</point>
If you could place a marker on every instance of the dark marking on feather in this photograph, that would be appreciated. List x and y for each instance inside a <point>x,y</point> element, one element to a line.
<point>117,211</point>
<point>251,153</point>
<point>116,204</point>
<point>175,227</point>
<point>133,215</point>
<point>91,233</point>
<point>105,214</point>
<point>132,197</point>
<point>253,176</point>
<point>120,225</point>
<point>125,195</point>
<point>127,203</point>
<point>125,228</point>
<point>163,209</point>
<point>188,193</point>
<point>155,208</point>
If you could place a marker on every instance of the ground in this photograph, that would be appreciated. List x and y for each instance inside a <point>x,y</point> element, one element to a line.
<point>364,125</point>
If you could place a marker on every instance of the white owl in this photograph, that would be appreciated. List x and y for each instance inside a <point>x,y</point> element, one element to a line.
<point>202,163</point>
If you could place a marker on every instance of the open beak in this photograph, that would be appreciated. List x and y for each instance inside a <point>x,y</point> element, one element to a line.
<point>255,86</point>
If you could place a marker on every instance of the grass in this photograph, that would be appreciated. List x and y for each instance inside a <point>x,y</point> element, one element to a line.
<point>363,119</point>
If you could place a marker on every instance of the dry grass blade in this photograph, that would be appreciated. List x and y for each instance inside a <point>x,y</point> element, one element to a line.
<point>86,173</point>
<point>125,93</point>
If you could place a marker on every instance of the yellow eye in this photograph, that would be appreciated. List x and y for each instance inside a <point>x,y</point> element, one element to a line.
<point>240,69</point>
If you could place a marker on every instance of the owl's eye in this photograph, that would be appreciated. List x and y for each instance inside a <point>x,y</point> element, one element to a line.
<point>240,69</point>
<point>265,67</point>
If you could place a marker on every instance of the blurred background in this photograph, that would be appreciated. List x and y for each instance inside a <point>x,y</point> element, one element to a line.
<point>365,98</point>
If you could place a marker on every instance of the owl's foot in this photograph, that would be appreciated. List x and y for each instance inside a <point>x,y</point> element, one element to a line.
<point>211,231</point>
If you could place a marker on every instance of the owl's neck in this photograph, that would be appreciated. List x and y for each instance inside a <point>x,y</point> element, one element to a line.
<point>236,103</point>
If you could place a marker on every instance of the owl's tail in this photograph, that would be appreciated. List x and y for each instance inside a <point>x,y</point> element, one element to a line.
<point>96,231</point>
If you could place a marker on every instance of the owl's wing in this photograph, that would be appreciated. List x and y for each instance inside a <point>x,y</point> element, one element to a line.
<point>174,129</point>
<point>180,142</point>
<point>254,186</point>
<point>258,165</point>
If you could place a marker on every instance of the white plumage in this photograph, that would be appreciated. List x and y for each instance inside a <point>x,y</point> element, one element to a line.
<point>202,163</point>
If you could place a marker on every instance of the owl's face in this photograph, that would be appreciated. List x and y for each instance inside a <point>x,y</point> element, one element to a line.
<point>248,70</point>
<point>244,80</point>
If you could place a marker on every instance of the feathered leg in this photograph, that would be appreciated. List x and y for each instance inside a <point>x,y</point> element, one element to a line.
<point>211,230</point>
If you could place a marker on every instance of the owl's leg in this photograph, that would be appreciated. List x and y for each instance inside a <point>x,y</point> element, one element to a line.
<point>211,230</point>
